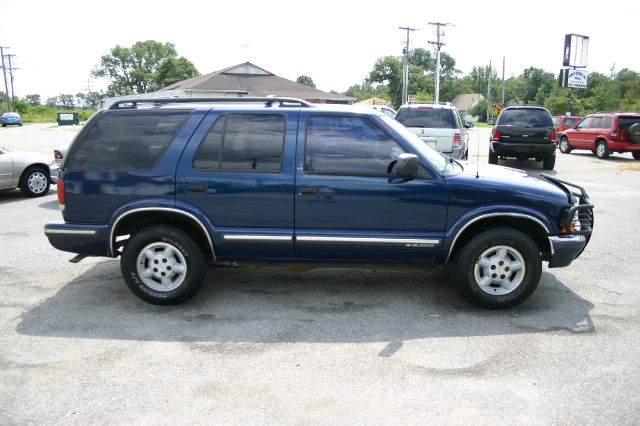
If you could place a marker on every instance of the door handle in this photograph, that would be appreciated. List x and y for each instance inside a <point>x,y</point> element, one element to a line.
<point>308,191</point>
<point>196,187</point>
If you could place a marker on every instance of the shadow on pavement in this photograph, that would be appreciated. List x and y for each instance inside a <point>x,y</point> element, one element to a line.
<point>324,305</point>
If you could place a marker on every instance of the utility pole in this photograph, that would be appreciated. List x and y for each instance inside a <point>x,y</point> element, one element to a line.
<point>11,71</point>
<point>4,73</point>
<point>503,62</point>
<point>405,67</point>
<point>489,93</point>
<point>438,44</point>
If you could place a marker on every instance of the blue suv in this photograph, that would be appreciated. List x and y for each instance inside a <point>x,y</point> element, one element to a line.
<point>173,185</point>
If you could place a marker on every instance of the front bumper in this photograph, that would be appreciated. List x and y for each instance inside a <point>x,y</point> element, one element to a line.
<point>565,249</point>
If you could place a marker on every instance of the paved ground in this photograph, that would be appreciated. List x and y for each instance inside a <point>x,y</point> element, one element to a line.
<point>322,347</point>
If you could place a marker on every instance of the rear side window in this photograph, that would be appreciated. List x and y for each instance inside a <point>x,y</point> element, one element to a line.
<point>127,140</point>
<point>427,117</point>
<point>243,142</point>
<point>533,117</point>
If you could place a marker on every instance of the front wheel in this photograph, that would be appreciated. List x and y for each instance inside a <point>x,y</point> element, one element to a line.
<point>498,268</point>
<point>163,265</point>
<point>602,150</point>
<point>565,148</point>
<point>35,182</point>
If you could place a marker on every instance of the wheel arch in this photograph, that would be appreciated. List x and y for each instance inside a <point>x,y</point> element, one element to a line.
<point>145,216</point>
<point>44,167</point>
<point>527,224</point>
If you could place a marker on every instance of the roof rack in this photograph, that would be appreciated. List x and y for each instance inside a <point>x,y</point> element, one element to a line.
<point>268,101</point>
<point>429,103</point>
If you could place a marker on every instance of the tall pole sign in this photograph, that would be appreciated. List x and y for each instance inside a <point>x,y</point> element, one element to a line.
<point>574,59</point>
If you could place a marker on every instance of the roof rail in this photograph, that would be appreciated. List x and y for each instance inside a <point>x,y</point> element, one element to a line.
<point>268,101</point>
<point>429,103</point>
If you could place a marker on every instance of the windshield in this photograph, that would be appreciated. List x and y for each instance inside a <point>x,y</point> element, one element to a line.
<point>425,151</point>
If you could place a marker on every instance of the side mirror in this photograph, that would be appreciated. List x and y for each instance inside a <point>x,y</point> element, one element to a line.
<point>468,124</point>
<point>407,166</point>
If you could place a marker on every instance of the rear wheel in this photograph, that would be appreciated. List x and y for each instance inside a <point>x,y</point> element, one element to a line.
<point>565,148</point>
<point>602,150</point>
<point>35,182</point>
<point>493,157</point>
<point>498,268</point>
<point>636,155</point>
<point>549,162</point>
<point>163,265</point>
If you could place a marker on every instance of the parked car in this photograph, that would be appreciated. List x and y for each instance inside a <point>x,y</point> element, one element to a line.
<point>28,171</point>
<point>438,125</point>
<point>604,133</point>
<point>171,185</point>
<point>564,122</point>
<point>11,119</point>
<point>524,132</point>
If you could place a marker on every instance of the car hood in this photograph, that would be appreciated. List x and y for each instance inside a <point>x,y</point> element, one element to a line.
<point>498,185</point>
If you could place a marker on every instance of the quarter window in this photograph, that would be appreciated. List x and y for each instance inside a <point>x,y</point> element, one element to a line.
<point>607,122</point>
<point>243,142</point>
<point>348,145</point>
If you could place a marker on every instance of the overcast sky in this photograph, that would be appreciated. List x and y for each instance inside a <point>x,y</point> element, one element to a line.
<point>336,43</point>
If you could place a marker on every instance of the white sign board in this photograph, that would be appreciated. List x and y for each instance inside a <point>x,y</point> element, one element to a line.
<point>577,78</point>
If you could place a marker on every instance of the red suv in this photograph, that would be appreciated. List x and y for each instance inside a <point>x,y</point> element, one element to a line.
<point>564,122</point>
<point>603,133</point>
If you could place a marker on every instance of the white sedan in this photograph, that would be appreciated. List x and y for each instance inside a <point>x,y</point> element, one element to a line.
<point>33,173</point>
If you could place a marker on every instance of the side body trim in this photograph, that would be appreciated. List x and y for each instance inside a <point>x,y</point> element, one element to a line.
<point>71,232</point>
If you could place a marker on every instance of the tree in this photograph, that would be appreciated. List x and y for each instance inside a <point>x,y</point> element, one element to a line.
<point>32,99</point>
<point>306,80</point>
<point>172,70</point>
<point>134,70</point>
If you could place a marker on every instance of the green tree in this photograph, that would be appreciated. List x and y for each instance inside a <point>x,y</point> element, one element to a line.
<point>171,70</point>
<point>388,71</point>
<point>32,99</point>
<point>134,70</point>
<point>306,80</point>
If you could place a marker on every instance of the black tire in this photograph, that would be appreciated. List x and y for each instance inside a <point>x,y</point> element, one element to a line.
<point>602,150</point>
<point>634,133</point>
<point>564,146</point>
<point>549,162</point>
<point>505,249</point>
<point>35,182</point>
<point>636,155</point>
<point>493,157</point>
<point>166,253</point>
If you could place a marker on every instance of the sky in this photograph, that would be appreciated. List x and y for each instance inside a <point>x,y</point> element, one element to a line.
<point>57,43</point>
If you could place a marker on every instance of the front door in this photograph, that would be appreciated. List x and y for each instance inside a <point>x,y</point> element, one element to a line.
<point>348,207</point>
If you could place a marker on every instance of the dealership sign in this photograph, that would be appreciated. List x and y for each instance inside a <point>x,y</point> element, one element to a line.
<point>577,78</point>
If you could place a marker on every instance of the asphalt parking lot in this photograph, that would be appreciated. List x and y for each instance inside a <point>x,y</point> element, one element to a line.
<point>322,347</point>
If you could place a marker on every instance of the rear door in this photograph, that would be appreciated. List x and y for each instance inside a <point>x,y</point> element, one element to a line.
<point>236,170</point>
<point>348,207</point>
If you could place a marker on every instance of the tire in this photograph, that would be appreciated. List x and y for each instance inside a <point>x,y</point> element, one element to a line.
<point>564,146</point>
<point>636,155</point>
<point>180,266</point>
<point>634,133</point>
<point>493,157</point>
<point>498,268</point>
<point>35,182</point>
<point>549,162</point>
<point>602,150</point>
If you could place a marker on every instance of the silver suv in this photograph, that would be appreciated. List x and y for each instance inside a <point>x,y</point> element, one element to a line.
<point>438,125</point>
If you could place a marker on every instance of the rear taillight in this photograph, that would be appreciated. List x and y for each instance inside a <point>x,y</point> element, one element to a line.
<point>61,195</point>
<point>57,154</point>
<point>554,136</point>
<point>457,138</point>
<point>495,134</point>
